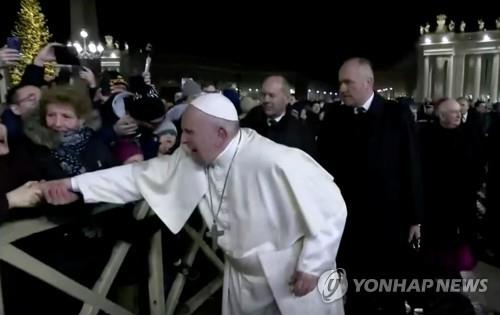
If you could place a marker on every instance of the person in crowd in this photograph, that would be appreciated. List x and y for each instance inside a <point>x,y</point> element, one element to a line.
<point>209,87</point>
<point>132,116</point>
<point>112,84</point>
<point>493,185</point>
<point>190,90</point>
<point>19,185</point>
<point>369,145</point>
<point>126,151</point>
<point>247,104</point>
<point>65,127</point>
<point>425,113</point>
<point>167,93</point>
<point>452,171</point>
<point>305,208</point>
<point>481,108</point>
<point>471,119</point>
<point>167,136</point>
<point>293,99</point>
<point>58,143</point>
<point>23,98</point>
<point>314,115</point>
<point>273,119</point>
<point>234,96</point>
<point>116,123</point>
<point>147,111</point>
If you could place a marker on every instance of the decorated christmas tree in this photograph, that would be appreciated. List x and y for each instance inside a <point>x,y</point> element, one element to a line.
<point>33,32</point>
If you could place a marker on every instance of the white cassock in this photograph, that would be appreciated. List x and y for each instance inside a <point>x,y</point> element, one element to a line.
<point>281,212</point>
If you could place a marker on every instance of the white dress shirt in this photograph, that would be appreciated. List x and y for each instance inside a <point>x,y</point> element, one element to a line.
<point>277,119</point>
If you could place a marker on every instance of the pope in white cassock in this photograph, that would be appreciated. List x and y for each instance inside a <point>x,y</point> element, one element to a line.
<point>275,213</point>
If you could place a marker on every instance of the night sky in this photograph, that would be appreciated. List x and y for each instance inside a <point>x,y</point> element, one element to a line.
<point>306,37</point>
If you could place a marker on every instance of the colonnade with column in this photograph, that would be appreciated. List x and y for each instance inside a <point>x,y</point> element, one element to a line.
<point>452,74</point>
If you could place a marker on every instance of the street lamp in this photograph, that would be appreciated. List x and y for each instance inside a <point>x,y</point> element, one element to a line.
<point>90,51</point>
<point>100,48</point>
<point>92,47</point>
<point>84,35</point>
<point>78,47</point>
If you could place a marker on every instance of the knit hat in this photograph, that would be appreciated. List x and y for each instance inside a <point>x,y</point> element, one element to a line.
<point>124,149</point>
<point>145,108</point>
<point>166,127</point>
<point>144,104</point>
<point>116,78</point>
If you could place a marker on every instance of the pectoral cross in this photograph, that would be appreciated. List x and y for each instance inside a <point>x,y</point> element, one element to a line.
<point>214,234</point>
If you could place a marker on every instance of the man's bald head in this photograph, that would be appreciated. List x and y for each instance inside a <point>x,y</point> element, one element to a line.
<point>206,136</point>
<point>356,81</point>
<point>276,95</point>
<point>449,113</point>
<point>280,81</point>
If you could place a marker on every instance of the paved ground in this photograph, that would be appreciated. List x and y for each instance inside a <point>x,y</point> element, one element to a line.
<point>491,298</point>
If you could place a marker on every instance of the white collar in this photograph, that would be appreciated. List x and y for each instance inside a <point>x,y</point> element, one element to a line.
<point>368,102</point>
<point>277,119</point>
<point>225,157</point>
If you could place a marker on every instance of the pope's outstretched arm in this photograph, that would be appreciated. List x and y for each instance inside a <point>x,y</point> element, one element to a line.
<point>114,185</point>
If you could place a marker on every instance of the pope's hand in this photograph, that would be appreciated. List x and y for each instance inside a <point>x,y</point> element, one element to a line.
<point>58,192</point>
<point>302,283</point>
<point>26,196</point>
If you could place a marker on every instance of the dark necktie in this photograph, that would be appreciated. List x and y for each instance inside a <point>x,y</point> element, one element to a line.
<point>272,122</point>
<point>359,110</point>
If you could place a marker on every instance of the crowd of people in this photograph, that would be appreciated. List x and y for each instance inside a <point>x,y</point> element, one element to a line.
<point>410,181</point>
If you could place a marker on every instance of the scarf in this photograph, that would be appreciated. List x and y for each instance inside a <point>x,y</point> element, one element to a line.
<point>69,151</point>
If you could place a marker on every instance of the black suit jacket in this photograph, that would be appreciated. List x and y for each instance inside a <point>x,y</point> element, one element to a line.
<point>452,169</point>
<point>473,123</point>
<point>288,131</point>
<point>374,160</point>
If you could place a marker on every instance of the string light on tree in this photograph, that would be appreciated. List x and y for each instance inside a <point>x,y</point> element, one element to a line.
<point>33,33</point>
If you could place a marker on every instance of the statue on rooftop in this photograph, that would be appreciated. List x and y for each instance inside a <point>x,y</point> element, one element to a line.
<point>451,26</point>
<point>441,23</point>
